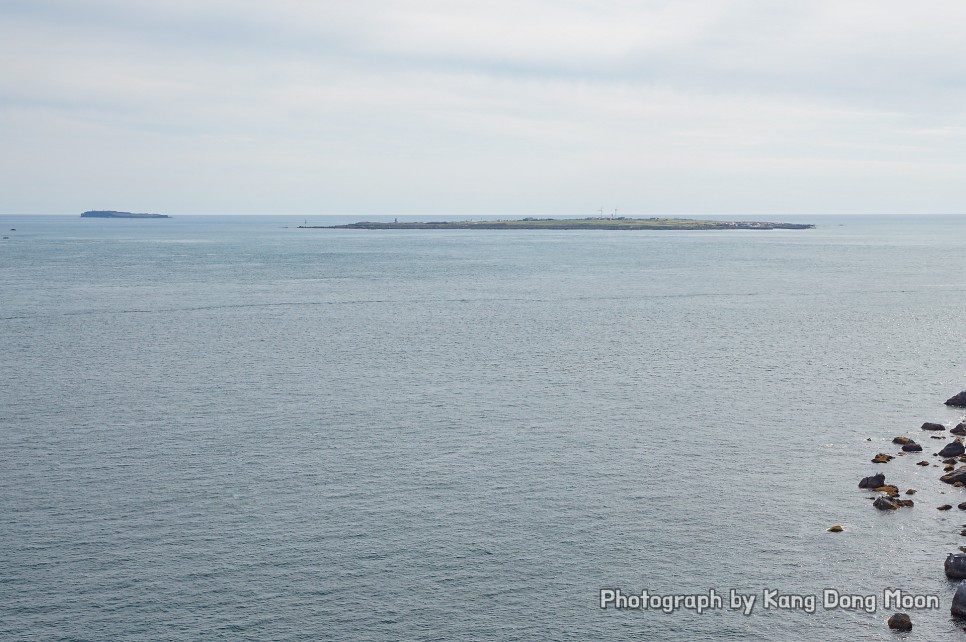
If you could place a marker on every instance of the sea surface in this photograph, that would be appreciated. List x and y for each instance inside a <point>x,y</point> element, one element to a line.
<point>226,428</point>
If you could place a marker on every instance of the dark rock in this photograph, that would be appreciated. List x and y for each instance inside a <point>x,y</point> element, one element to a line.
<point>949,462</point>
<point>957,400</point>
<point>911,491</point>
<point>900,622</point>
<point>958,475</point>
<point>912,447</point>
<point>960,429</point>
<point>873,481</point>
<point>901,440</point>
<point>949,469</point>
<point>955,566</point>
<point>907,503</point>
<point>884,503</point>
<point>945,507</point>
<point>836,529</point>
<point>922,463</point>
<point>959,600</point>
<point>952,449</point>
<point>932,426</point>
<point>937,436</point>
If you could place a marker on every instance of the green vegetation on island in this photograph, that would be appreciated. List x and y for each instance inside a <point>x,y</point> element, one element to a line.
<point>621,223</point>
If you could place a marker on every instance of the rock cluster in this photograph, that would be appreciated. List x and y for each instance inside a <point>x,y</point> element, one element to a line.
<point>953,456</point>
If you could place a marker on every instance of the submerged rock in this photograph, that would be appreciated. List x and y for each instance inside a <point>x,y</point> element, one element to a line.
<point>932,426</point>
<point>888,489</point>
<point>922,463</point>
<point>836,529</point>
<point>883,458</point>
<point>944,507</point>
<point>911,491</point>
<point>952,449</point>
<point>912,447</point>
<point>906,503</point>
<point>900,622</point>
<point>873,481</point>
<point>957,400</point>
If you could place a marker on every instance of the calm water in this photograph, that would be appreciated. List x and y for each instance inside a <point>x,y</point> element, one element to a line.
<point>223,428</point>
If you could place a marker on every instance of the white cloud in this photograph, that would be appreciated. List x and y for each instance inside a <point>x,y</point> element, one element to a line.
<point>460,107</point>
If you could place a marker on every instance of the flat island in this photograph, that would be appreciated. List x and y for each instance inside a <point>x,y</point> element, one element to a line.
<point>621,223</point>
<point>113,214</point>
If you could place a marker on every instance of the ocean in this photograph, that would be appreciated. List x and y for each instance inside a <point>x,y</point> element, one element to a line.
<point>230,428</point>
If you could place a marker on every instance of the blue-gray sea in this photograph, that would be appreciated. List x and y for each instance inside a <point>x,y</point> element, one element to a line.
<point>225,428</point>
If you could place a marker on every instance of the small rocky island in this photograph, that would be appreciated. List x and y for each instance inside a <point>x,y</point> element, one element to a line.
<point>621,223</point>
<point>113,214</point>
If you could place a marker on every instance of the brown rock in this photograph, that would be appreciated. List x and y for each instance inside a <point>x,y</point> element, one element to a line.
<point>901,440</point>
<point>882,458</point>
<point>889,490</point>
<point>836,529</point>
<point>908,503</point>
<point>922,463</point>
<point>911,491</point>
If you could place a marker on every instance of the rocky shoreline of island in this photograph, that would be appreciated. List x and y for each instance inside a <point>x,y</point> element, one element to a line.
<point>115,214</point>
<point>621,223</point>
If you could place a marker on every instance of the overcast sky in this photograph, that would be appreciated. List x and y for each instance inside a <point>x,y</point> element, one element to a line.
<point>499,107</point>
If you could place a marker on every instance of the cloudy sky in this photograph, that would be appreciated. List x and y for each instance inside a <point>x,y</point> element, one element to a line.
<point>438,107</point>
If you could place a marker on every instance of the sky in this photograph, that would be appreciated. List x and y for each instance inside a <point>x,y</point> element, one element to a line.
<point>504,107</point>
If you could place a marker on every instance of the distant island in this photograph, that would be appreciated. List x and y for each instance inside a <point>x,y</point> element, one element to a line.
<point>621,223</point>
<point>113,214</point>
